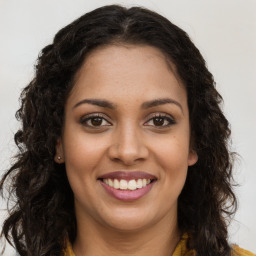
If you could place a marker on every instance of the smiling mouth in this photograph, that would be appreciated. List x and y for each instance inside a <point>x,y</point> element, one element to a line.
<point>127,186</point>
<point>132,184</point>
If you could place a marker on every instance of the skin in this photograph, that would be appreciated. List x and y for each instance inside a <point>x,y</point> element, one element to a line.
<point>127,139</point>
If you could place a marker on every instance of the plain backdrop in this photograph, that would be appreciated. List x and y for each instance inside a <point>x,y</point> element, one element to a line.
<point>223,30</point>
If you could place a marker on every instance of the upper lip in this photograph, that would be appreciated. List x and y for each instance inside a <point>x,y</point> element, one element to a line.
<point>127,175</point>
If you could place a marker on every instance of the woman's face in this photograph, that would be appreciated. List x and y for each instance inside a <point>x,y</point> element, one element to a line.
<point>126,138</point>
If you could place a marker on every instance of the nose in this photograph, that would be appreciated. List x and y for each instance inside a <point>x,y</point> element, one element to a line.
<point>127,146</point>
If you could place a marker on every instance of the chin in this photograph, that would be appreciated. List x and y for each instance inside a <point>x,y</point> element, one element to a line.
<point>127,225</point>
<point>129,219</point>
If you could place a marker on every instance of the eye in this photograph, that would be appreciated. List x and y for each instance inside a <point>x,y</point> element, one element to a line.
<point>160,121</point>
<point>94,121</point>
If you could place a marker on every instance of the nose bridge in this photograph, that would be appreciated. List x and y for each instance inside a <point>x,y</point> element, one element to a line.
<point>127,144</point>
<point>128,139</point>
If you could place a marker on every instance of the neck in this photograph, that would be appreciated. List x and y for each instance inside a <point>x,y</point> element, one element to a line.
<point>96,239</point>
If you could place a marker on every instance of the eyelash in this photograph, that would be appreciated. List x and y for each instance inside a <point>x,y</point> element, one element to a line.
<point>90,117</point>
<point>165,118</point>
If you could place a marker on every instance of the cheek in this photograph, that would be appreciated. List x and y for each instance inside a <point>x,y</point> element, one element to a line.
<point>173,150</point>
<point>82,156</point>
<point>172,157</point>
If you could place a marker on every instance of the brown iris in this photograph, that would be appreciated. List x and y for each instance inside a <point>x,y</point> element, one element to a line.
<point>96,121</point>
<point>158,121</point>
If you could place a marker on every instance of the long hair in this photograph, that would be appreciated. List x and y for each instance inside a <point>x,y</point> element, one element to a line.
<point>42,217</point>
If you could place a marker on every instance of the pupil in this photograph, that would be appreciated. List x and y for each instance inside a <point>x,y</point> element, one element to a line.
<point>158,121</point>
<point>96,121</point>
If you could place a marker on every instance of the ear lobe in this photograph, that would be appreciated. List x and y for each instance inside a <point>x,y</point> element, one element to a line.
<point>192,157</point>
<point>59,155</point>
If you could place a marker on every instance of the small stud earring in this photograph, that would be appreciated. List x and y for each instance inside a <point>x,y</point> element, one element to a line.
<point>59,158</point>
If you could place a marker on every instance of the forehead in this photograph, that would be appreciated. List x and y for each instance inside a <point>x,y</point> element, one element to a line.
<point>126,70</point>
<point>126,53</point>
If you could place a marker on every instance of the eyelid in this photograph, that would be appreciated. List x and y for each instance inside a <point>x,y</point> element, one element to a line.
<point>164,115</point>
<point>87,117</point>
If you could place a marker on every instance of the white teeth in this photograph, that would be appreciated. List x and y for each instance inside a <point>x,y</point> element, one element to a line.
<point>139,183</point>
<point>116,184</point>
<point>132,185</point>
<point>110,182</point>
<point>127,185</point>
<point>123,184</point>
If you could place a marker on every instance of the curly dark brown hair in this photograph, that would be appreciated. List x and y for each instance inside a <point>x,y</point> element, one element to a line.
<point>43,215</point>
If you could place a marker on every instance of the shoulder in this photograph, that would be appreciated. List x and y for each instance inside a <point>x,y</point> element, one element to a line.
<point>237,251</point>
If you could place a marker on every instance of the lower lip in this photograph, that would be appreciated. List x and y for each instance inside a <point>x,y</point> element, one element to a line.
<point>127,195</point>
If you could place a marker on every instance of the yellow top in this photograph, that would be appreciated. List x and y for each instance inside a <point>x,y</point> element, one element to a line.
<point>181,250</point>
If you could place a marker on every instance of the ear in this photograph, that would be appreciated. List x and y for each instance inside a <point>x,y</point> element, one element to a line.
<point>59,155</point>
<point>192,157</point>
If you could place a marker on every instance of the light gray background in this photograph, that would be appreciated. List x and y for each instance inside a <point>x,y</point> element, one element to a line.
<point>223,30</point>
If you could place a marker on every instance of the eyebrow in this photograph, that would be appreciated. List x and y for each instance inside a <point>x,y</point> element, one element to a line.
<point>97,102</point>
<point>157,102</point>
<point>145,105</point>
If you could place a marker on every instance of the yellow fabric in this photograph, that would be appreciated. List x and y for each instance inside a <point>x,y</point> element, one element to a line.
<point>69,251</point>
<point>237,251</point>
<point>181,250</point>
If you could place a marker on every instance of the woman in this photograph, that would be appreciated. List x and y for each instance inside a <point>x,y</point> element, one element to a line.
<point>123,148</point>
